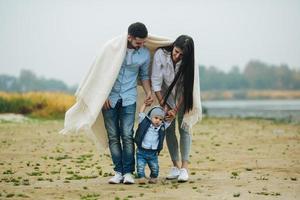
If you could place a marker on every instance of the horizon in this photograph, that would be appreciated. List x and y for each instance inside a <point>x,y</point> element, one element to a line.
<point>269,65</point>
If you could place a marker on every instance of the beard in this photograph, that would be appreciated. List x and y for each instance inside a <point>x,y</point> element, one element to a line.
<point>131,46</point>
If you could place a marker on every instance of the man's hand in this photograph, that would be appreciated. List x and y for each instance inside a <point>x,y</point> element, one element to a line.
<point>149,99</point>
<point>106,105</point>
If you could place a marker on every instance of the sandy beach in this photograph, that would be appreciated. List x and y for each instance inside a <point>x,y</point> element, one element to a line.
<point>230,159</point>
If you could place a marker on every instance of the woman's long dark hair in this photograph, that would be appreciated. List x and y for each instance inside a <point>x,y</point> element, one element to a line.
<point>184,78</point>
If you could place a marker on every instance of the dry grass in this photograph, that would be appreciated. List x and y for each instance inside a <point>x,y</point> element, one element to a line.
<point>55,104</point>
<point>230,159</point>
<point>38,104</point>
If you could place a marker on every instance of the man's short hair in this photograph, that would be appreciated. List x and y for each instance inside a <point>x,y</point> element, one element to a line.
<point>138,29</point>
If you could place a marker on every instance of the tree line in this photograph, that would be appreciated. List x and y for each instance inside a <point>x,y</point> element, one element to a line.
<point>256,75</point>
<point>28,81</point>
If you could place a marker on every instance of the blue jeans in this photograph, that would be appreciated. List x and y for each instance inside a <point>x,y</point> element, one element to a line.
<point>150,157</point>
<point>119,122</point>
<point>172,142</point>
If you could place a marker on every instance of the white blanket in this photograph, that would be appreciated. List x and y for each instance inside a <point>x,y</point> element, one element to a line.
<point>94,89</point>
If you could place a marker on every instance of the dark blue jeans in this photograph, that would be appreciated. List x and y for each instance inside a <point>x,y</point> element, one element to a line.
<point>150,157</point>
<point>119,122</point>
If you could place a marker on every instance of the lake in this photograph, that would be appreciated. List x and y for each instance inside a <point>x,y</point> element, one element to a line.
<point>277,109</point>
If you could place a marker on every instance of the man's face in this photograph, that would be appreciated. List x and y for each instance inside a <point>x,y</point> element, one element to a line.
<point>136,42</point>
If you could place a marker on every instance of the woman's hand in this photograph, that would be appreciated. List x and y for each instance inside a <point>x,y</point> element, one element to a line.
<point>171,114</point>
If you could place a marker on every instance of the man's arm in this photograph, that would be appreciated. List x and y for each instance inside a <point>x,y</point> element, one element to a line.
<point>144,76</point>
<point>147,89</point>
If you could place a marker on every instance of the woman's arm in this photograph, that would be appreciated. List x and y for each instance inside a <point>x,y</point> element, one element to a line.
<point>180,101</point>
<point>157,75</point>
<point>171,114</point>
<point>159,98</point>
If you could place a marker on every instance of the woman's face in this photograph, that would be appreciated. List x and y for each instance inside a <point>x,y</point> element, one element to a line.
<point>177,54</point>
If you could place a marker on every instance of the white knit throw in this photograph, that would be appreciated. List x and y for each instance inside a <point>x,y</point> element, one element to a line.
<point>85,115</point>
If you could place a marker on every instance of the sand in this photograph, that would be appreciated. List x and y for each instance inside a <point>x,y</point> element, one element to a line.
<point>230,159</point>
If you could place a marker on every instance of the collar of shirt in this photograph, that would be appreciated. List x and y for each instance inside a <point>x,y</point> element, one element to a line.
<point>154,127</point>
<point>133,50</point>
<point>130,53</point>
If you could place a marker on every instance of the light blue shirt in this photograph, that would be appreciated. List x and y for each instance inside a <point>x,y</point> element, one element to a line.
<point>151,138</point>
<point>135,64</point>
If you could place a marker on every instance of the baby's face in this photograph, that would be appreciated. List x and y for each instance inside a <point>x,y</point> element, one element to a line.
<point>157,120</point>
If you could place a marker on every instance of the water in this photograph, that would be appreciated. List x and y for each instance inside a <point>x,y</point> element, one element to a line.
<point>276,109</point>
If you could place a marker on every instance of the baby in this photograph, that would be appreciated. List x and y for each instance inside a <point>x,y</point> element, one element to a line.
<point>149,139</point>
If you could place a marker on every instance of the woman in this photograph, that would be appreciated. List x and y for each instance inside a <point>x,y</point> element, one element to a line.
<point>172,81</point>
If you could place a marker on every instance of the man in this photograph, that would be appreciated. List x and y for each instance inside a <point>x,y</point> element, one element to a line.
<point>119,108</point>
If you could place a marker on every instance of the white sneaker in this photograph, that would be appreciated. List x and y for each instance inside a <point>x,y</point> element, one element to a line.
<point>128,179</point>
<point>117,178</point>
<point>173,173</point>
<point>183,176</point>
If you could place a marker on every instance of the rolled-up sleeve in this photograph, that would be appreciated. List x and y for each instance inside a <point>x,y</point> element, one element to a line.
<point>167,124</point>
<point>144,69</point>
<point>157,75</point>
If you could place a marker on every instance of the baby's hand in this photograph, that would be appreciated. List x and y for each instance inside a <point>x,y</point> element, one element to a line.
<point>171,114</point>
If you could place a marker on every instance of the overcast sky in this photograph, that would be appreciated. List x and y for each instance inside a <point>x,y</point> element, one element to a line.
<point>60,38</point>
